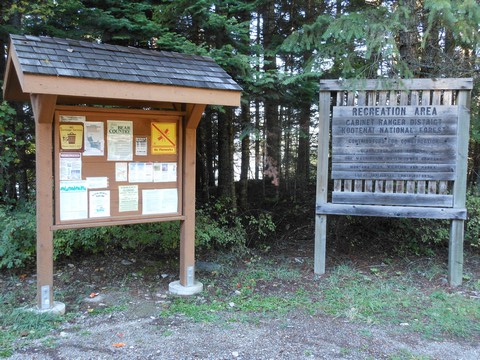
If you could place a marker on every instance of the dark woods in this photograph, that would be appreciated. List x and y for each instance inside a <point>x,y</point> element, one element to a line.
<point>265,150</point>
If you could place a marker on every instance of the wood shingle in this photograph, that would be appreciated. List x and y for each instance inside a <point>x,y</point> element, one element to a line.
<point>66,58</point>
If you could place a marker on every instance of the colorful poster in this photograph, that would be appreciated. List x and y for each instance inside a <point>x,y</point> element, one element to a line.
<point>73,200</point>
<point>164,172</point>
<point>164,138</point>
<point>70,165</point>
<point>119,140</point>
<point>94,139</point>
<point>141,146</point>
<point>159,201</point>
<point>71,137</point>
<point>99,203</point>
<point>128,198</point>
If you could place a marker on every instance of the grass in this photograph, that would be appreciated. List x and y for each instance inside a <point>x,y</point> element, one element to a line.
<point>351,294</point>
<point>18,326</point>
<point>365,297</point>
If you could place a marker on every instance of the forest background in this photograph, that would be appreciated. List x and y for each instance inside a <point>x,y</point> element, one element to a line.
<point>256,164</point>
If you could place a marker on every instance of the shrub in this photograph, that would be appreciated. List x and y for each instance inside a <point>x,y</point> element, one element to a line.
<point>217,227</point>
<point>472,231</point>
<point>220,226</point>
<point>17,236</point>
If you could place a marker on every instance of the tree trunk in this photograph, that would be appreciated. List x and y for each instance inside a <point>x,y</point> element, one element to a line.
<point>245,163</point>
<point>272,125</point>
<point>225,155</point>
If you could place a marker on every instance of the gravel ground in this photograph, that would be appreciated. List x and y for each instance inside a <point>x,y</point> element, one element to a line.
<point>137,332</point>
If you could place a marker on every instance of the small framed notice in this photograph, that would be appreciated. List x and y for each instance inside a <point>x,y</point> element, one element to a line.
<point>71,137</point>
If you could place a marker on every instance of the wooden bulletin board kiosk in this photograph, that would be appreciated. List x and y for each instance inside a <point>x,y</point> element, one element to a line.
<point>398,149</point>
<point>115,132</point>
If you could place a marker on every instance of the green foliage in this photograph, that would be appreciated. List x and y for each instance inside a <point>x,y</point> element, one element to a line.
<point>161,237</point>
<point>17,236</point>
<point>218,227</point>
<point>472,230</point>
<point>221,226</point>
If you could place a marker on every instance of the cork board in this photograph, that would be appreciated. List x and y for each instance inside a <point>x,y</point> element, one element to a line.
<point>115,166</point>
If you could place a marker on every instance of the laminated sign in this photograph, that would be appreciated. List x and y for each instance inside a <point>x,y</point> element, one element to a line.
<point>71,137</point>
<point>164,138</point>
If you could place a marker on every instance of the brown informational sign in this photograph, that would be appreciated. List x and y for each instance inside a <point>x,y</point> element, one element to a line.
<point>399,148</point>
<point>394,142</point>
<point>105,172</point>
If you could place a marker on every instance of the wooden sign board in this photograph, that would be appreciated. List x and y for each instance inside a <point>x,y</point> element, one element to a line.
<point>399,148</point>
<point>122,172</point>
<point>390,143</point>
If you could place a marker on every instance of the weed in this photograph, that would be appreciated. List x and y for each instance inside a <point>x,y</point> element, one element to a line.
<point>351,294</point>
<point>108,309</point>
<point>21,325</point>
<point>407,355</point>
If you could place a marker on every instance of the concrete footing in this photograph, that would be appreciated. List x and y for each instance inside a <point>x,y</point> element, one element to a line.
<point>57,309</point>
<point>178,289</point>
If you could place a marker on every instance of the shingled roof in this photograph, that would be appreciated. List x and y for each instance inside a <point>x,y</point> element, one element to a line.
<point>66,58</point>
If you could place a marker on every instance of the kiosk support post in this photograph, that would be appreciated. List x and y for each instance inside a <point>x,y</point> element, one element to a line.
<point>187,227</point>
<point>43,108</point>
<point>187,284</point>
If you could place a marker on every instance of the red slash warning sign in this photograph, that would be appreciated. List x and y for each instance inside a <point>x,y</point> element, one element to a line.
<point>164,138</point>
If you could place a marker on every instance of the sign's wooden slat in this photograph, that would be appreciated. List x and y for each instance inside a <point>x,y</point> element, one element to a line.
<point>383,98</point>
<point>389,186</point>
<point>392,157</point>
<point>382,198</point>
<point>442,187</point>
<point>397,84</point>
<point>426,98</point>
<point>399,186</point>
<point>410,187</point>
<point>430,143</point>
<point>392,211</point>
<point>358,185</point>
<point>337,185</point>
<point>394,167</point>
<point>347,185</point>
<point>384,175</point>
<point>368,185</point>
<point>421,187</point>
<point>447,98</point>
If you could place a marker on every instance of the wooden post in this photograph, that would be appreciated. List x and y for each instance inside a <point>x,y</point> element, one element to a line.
<point>322,183</point>
<point>43,108</point>
<point>455,245</point>
<point>187,226</point>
